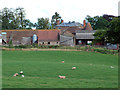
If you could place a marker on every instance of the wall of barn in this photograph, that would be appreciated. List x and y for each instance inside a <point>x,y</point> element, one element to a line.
<point>66,40</point>
<point>48,43</point>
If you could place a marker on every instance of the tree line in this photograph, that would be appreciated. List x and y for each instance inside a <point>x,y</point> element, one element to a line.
<point>15,19</point>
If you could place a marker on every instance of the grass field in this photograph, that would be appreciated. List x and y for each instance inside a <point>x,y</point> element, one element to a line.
<point>41,69</point>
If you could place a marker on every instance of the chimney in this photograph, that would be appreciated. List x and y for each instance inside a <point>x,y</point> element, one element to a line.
<point>58,22</point>
<point>62,21</point>
<point>84,23</point>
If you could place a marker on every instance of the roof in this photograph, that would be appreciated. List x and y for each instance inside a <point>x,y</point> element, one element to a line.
<point>16,35</point>
<point>69,24</point>
<point>68,33</point>
<point>71,30</point>
<point>48,35</point>
<point>84,36</point>
<point>85,31</point>
<point>88,27</point>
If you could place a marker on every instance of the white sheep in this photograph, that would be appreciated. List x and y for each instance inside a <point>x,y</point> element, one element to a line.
<point>23,76</point>
<point>111,67</point>
<point>73,68</point>
<point>62,61</point>
<point>62,77</point>
<point>21,72</point>
<point>16,74</point>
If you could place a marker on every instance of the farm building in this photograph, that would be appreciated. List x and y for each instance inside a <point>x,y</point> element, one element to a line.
<point>76,34</point>
<point>27,37</point>
<point>70,34</point>
<point>48,37</point>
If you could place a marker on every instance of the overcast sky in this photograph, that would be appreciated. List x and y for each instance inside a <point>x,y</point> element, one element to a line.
<point>69,10</point>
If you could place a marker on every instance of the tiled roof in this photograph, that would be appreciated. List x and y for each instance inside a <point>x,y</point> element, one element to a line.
<point>88,27</point>
<point>71,29</point>
<point>48,35</point>
<point>43,35</point>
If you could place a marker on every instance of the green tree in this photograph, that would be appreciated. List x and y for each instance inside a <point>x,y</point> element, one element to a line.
<point>55,18</point>
<point>20,16</point>
<point>100,36</point>
<point>15,19</point>
<point>27,24</point>
<point>113,33</point>
<point>97,22</point>
<point>42,23</point>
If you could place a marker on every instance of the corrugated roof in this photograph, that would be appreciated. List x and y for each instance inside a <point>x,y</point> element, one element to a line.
<point>84,36</point>
<point>69,24</point>
<point>85,31</point>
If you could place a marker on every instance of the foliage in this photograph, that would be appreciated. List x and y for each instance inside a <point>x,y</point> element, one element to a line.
<point>42,23</point>
<point>14,19</point>
<point>113,33</point>
<point>55,18</point>
<point>99,36</point>
<point>97,22</point>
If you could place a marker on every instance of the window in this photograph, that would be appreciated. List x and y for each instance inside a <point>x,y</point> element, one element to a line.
<point>48,42</point>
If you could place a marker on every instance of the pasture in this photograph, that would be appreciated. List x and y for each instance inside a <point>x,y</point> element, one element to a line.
<point>42,68</point>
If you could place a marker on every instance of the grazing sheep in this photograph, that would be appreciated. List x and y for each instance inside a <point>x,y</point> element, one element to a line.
<point>111,66</point>
<point>21,72</point>
<point>73,68</point>
<point>62,61</point>
<point>16,74</point>
<point>22,75</point>
<point>62,77</point>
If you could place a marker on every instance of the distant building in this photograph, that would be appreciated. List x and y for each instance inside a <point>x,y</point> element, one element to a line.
<point>25,37</point>
<point>48,37</point>
<point>76,33</point>
<point>70,34</point>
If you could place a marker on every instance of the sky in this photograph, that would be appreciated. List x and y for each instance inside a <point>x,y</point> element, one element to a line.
<point>69,10</point>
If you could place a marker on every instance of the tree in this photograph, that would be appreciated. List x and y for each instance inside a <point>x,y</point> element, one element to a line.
<point>27,24</point>
<point>15,19</point>
<point>20,17</point>
<point>97,22</point>
<point>42,23</point>
<point>113,33</point>
<point>55,18</point>
<point>100,36</point>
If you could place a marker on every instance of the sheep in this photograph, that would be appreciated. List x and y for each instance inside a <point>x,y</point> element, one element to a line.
<point>111,67</point>
<point>62,61</point>
<point>62,77</point>
<point>16,74</point>
<point>22,75</point>
<point>73,68</point>
<point>21,72</point>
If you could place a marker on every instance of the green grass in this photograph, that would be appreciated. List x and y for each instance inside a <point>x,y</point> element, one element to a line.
<point>41,69</point>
